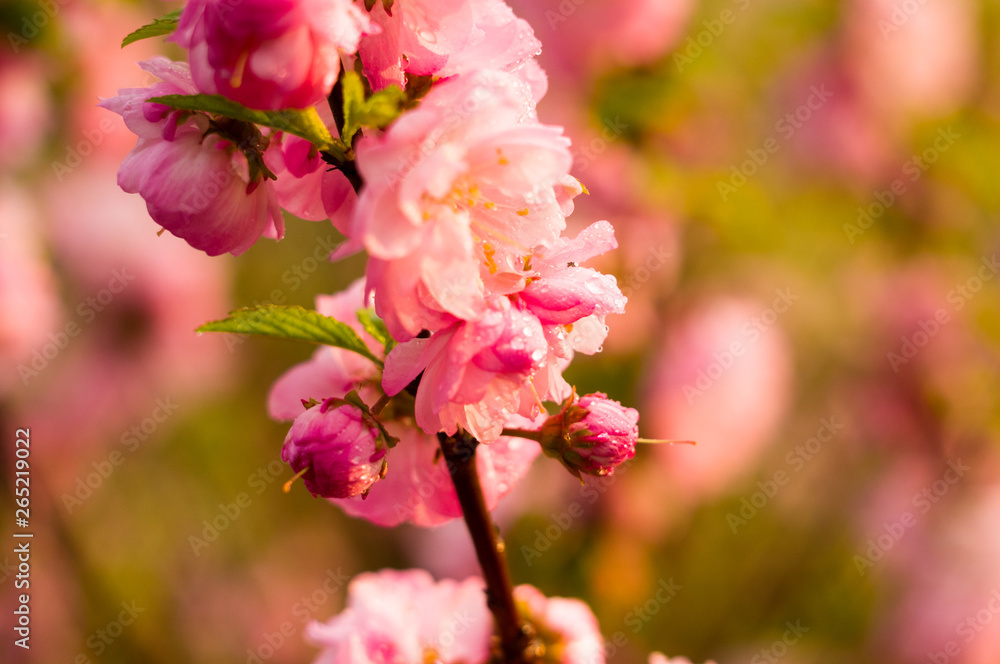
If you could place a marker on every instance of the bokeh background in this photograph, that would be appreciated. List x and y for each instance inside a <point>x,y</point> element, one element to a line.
<point>806,198</point>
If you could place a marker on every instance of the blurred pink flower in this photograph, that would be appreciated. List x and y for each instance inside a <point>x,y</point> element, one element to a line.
<point>25,110</point>
<point>722,379</point>
<point>406,617</point>
<point>569,621</point>
<point>588,38</point>
<point>29,303</point>
<point>135,301</point>
<point>269,54</point>
<point>913,59</point>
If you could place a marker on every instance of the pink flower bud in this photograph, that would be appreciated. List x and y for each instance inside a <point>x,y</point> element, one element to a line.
<point>269,54</point>
<point>593,435</point>
<point>337,448</point>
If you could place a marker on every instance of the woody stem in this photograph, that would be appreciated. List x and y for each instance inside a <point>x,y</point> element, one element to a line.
<point>460,455</point>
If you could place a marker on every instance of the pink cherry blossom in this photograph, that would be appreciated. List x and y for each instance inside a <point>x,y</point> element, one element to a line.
<point>467,182</point>
<point>196,183</point>
<point>417,487</point>
<point>269,54</point>
<point>405,617</point>
<point>444,38</point>
<point>476,374</point>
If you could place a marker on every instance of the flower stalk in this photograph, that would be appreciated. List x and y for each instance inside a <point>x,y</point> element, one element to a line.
<point>517,645</point>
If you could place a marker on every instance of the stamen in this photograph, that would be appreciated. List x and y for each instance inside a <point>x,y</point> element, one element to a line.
<point>288,484</point>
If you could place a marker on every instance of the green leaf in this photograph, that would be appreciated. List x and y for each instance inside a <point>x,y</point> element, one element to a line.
<point>304,123</point>
<point>161,26</point>
<point>378,110</point>
<point>293,323</point>
<point>375,326</point>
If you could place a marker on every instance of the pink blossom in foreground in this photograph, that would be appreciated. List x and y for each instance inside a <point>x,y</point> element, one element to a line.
<point>465,183</point>
<point>405,617</point>
<point>476,374</point>
<point>480,372</point>
<point>338,448</point>
<point>570,621</point>
<point>444,38</point>
<point>660,658</point>
<point>592,435</point>
<point>197,185</point>
<point>269,54</point>
<point>417,487</point>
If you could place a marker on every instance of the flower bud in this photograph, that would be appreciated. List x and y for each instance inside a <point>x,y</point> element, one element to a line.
<point>592,435</point>
<point>337,448</point>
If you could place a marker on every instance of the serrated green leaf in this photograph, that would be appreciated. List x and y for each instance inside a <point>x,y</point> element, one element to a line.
<point>375,326</point>
<point>304,123</point>
<point>295,323</point>
<point>378,110</point>
<point>161,26</point>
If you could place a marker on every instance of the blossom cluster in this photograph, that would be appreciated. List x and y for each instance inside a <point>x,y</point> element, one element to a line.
<point>459,200</point>
<point>411,126</point>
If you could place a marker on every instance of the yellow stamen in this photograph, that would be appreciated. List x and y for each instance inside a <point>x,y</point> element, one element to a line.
<point>490,205</point>
<point>490,251</point>
<point>288,484</point>
<point>523,213</point>
<point>236,80</point>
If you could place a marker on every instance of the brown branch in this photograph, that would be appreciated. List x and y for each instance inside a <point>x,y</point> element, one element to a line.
<point>516,640</point>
